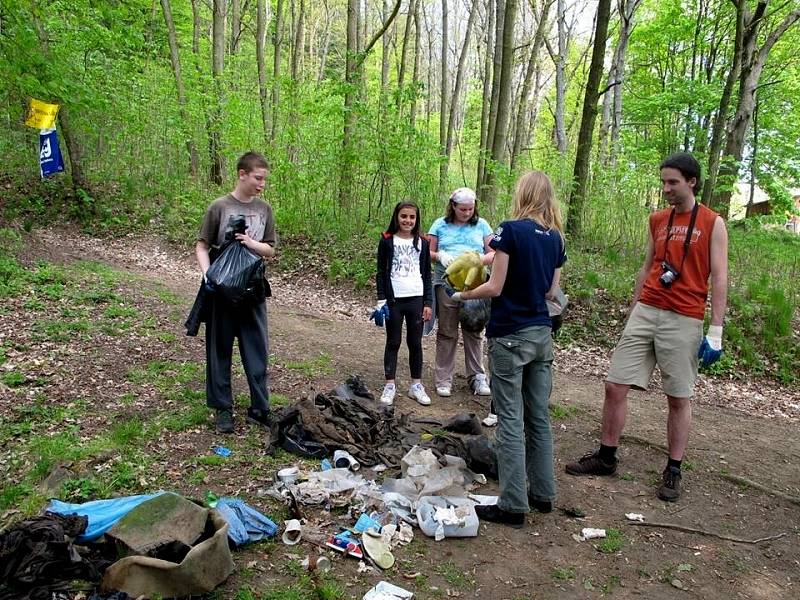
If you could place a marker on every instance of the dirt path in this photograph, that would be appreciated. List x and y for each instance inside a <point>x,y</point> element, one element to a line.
<point>310,322</point>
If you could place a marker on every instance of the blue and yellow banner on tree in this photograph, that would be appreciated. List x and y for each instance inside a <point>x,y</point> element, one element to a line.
<point>50,160</point>
<point>41,115</point>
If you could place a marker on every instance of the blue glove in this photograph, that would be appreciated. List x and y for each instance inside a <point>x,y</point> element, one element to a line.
<point>380,314</point>
<point>208,285</point>
<point>710,350</point>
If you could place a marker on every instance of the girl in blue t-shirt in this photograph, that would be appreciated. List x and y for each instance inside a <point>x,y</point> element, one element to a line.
<point>460,230</point>
<point>529,253</point>
<point>404,283</point>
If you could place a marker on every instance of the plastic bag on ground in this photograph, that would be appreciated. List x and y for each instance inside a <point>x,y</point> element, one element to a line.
<point>440,517</point>
<point>418,462</point>
<point>387,591</point>
<point>245,524</point>
<point>102,514</point>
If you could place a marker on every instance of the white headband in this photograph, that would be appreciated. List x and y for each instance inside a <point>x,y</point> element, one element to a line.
<point>463,195</point>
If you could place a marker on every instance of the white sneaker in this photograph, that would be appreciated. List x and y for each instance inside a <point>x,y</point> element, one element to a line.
<point>417,392</point>
<point>480,387</point>
<point>443,391</point>
<point>491,420</point>
<point>387,397</point>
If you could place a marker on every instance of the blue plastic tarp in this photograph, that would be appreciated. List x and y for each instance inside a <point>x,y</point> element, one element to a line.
<point>102,514</point>
<point>245,524</point>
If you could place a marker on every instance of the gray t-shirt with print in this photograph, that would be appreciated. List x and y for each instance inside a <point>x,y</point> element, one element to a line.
<point>223,211</point>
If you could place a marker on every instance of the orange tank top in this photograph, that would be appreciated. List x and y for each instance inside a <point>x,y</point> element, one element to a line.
<point>687,295</point>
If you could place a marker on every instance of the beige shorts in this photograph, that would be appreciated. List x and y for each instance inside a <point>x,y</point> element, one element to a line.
<point>653,335</point>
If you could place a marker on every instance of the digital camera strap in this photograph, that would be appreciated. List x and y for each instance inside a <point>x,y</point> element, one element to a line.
<point>689,232</point>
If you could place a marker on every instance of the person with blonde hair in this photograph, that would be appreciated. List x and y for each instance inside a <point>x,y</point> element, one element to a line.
<point>529,252</point>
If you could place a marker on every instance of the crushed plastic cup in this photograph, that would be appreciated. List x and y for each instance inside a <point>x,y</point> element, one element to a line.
<point>635,517</point>
<point>590,533</point>
<point>293,532</point>
<point>317,562</point>
<point>288,475</point>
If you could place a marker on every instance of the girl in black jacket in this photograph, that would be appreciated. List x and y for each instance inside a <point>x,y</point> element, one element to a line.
<point>404,283</point>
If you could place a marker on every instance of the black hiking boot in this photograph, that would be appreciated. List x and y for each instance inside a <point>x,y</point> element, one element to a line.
<point>670,489</point>
<point>262,418</point>
<point>592,464</point>
<point>224,421</point>
<point>542,506</point>
<point>495,514</point>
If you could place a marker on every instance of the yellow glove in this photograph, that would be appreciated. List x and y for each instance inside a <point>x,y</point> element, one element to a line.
<point>464,260</point>
<point>456,280</point>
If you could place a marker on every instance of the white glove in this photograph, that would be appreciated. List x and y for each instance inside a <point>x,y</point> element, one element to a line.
<point>457,297</point>
<point>445,258</point>
<point>380,304</point>
<point>714,337</point>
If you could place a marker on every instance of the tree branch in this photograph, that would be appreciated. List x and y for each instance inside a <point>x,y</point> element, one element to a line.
<point>378,34</point>
<point>720,536</point>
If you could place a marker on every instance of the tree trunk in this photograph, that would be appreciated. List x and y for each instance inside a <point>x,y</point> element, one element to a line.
<point>443,92</point>
<point>497,65</point>
<point>415,73</point>
<point>612,99</point>
<point>353,64</point>
<point>454,104</point>
<point>297,50</point>
<point>721,118</point>
<point>561,81</point>
<point>277,44</point>
<point>261,40</point>
<point>236,25</point>
<point>74,151</point>
<point>176,70</point>
<point>387,40</point>
<point>487,91</point>
<point>350,78</point>
<point>401,70</point>
<point>326,41</point>
<point>585,134</point>
<point>503,100</point>
<point>753,61</point>
<point>521,124</point>
<point>217,69</point>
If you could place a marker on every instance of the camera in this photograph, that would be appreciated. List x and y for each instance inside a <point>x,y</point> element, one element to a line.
<point>669,274</point>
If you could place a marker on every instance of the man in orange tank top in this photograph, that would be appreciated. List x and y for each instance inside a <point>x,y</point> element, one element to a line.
<point>687,245</point>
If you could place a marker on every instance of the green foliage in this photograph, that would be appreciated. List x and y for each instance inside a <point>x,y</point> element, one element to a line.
<point>612,543</point>
<point>564,574</point>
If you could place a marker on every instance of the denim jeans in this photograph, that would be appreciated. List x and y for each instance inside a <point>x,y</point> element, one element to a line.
<point>521,383</point>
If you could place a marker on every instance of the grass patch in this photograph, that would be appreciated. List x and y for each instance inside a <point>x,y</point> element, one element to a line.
<point>562,411</point>
<point>314,367</point>
<point>612,543</point>
<point>13,379</point>
<point>453,575</point>
<point>278,401</point>
<point>564,574</point>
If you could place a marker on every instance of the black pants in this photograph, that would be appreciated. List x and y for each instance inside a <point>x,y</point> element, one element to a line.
<point>248,324</point>
<point>409,309</point>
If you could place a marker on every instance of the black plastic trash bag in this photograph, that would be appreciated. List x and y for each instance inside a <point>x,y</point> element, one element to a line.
<point>238,274</point>
<point>474,314</point>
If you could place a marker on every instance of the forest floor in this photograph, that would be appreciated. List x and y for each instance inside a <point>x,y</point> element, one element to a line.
<point>130,362</point>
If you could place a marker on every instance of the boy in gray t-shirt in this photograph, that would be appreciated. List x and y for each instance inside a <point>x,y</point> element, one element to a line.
<point>245,322</point>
